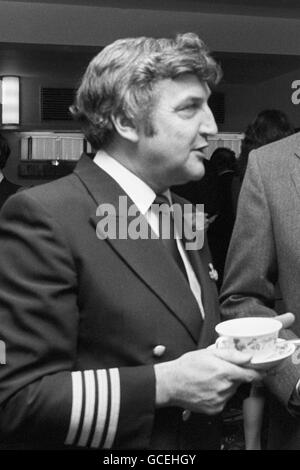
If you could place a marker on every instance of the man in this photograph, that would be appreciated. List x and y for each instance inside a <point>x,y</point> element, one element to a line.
<point>264,251</point>
<point>103,335</point>
<point>7,188</point>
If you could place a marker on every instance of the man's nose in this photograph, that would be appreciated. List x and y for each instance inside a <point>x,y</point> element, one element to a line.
<point>208,125</point>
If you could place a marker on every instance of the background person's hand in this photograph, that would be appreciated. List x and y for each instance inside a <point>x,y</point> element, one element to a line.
<point>287,319</point>
<point>203,381</point>
<point>212,218</point>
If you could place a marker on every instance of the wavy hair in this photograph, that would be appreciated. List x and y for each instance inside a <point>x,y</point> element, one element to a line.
<point>120,80</point>
<point>269,125</point>
<point>222,159</point>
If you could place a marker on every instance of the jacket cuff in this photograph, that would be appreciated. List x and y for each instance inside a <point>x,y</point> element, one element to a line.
<point>283,383</point>
<point>137,407</point>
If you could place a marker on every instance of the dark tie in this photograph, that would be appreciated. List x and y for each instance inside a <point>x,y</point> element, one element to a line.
<point>163,204</point>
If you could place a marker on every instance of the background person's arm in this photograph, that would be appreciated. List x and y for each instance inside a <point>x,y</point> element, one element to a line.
<point>251,269</point>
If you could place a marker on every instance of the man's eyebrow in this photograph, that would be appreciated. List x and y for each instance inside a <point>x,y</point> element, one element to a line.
<point>195,98</point>
<point>204,97</point>
<point>192,99</point>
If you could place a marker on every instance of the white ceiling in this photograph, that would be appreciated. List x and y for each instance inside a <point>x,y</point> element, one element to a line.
<point>282,8</point>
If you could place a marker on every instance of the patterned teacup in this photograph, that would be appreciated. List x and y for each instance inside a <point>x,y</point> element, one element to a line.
<point>254,335</point>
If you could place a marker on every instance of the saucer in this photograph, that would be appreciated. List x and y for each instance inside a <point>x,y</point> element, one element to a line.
<point>283,350</point>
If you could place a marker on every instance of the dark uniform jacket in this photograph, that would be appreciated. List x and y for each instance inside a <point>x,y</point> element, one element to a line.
<point>82,318</point>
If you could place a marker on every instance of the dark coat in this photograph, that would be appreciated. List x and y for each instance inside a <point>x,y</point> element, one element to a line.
<point>81,318</point>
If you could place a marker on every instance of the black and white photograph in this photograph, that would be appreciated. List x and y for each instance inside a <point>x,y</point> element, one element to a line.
<point>149,228</point>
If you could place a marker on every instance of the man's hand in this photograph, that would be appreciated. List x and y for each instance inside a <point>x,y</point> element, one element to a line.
<point>203,380</point>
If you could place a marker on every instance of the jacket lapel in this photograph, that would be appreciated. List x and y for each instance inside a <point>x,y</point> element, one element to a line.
<point>209,299</point>
<point>147,258</point>
<point>200,260</point>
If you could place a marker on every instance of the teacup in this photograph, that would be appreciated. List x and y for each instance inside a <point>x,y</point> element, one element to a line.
<point>253,335</point>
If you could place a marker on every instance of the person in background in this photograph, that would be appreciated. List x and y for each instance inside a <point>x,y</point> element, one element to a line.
<point>263,253</point>
<point>268,126</point>
<point>216,190</point>
<point>107,336</point>
<point>202,192</point>
<point>223,163</point>
<point>7,188</point>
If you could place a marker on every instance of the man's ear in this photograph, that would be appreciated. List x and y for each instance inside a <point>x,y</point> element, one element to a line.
<point>125,127</point>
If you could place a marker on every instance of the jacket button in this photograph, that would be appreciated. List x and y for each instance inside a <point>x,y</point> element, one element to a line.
<point>159,350</point>
<point>186,415</point>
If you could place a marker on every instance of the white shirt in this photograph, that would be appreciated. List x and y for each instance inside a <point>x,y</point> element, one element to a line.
<point>143,197</point>
<point>1,176</point>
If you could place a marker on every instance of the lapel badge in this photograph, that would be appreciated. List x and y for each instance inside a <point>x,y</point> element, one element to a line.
<point>213,273</point>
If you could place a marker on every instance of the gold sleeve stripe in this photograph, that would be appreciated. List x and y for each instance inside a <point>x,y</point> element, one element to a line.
<point>89,407</point>
<point>77,392</point>
<point>114,409</point>
<point>96,397</point>
<point>102,408</point>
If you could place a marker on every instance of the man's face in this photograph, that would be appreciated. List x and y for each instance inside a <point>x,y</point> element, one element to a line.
<point>182,121</point>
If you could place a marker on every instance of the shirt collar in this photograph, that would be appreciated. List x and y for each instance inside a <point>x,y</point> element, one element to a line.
<point>138,191</point>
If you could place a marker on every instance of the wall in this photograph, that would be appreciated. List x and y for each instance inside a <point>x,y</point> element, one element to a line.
<point>31,120</point>
<point>238,107</point>
<point>48,68</point>
<point>243,103</point>
<point>30,103</point>
<point>277,93</point>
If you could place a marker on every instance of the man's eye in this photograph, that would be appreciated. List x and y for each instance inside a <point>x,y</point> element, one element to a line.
<point>188,110</point>
<point>190,106</point>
